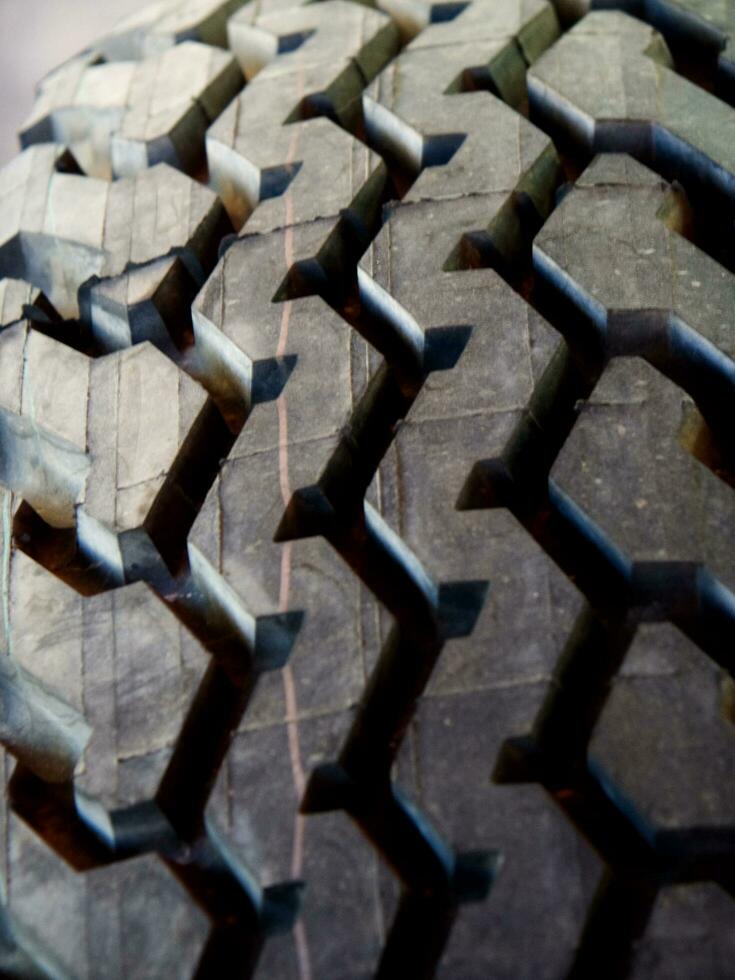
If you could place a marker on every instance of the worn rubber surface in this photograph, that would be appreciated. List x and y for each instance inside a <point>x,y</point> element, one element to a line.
<point>368,478</point>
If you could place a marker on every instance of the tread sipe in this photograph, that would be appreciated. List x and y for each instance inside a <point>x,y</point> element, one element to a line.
<point>367,483</point>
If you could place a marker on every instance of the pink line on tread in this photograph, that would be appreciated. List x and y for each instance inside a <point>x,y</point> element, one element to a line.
<point>289,686</point>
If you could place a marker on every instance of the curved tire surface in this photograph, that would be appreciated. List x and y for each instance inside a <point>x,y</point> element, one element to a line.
<point>367,475</point>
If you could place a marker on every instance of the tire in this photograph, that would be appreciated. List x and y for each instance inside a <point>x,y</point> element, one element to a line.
<point>365,424</point>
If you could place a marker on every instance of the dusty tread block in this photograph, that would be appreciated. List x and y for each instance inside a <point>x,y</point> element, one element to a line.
<point>16,297</point>
<point>653,292</point>
<point>532,24</point>
<point>525,827</point>
<point>710,24</point>
<point>59,229</point>
<point>410,89</point>
<point>249,319</point>
<point>423,114</point>
<point>697,27</point>
<point>634,102</point>
<point>633,503</point>
<point>251,164</point>
<point>328,662</point>
<point>148,434</point>
<point>122,117</point>
<point>164,23</point>
<point>326,37</point>
<point>412,257</point>
<point>345,893</point>
<point>148,669</point>
<point>49,897</point>
<point>59,408</point>
<point>690,930</point>
<point>254,156</point>
<point>512,642</point>
<point>681,734</point>
<point>660,271</point>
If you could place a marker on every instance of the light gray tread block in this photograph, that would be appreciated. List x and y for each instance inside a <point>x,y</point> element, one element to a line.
<point>704,27</point>
<point>60,228</point>
<point>656,280</point>
<point>634,102</point>
<point>530,21</point>
<point>327,36</point>
<point>418,105</point>
<point>712,22</point>
<point>120,118</point>
<point>17,299</point>
<point>265,139</point>
<point>165,23</point>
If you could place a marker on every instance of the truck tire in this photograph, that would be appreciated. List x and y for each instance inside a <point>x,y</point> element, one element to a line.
<point>367,495</point>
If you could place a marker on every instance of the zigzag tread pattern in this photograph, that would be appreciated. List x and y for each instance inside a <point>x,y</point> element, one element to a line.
<point>365,383</point>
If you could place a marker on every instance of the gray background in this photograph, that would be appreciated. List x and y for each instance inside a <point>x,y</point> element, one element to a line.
<point>35,36</point>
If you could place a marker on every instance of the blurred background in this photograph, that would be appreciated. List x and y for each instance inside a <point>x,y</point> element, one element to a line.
<point>35,36</point>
